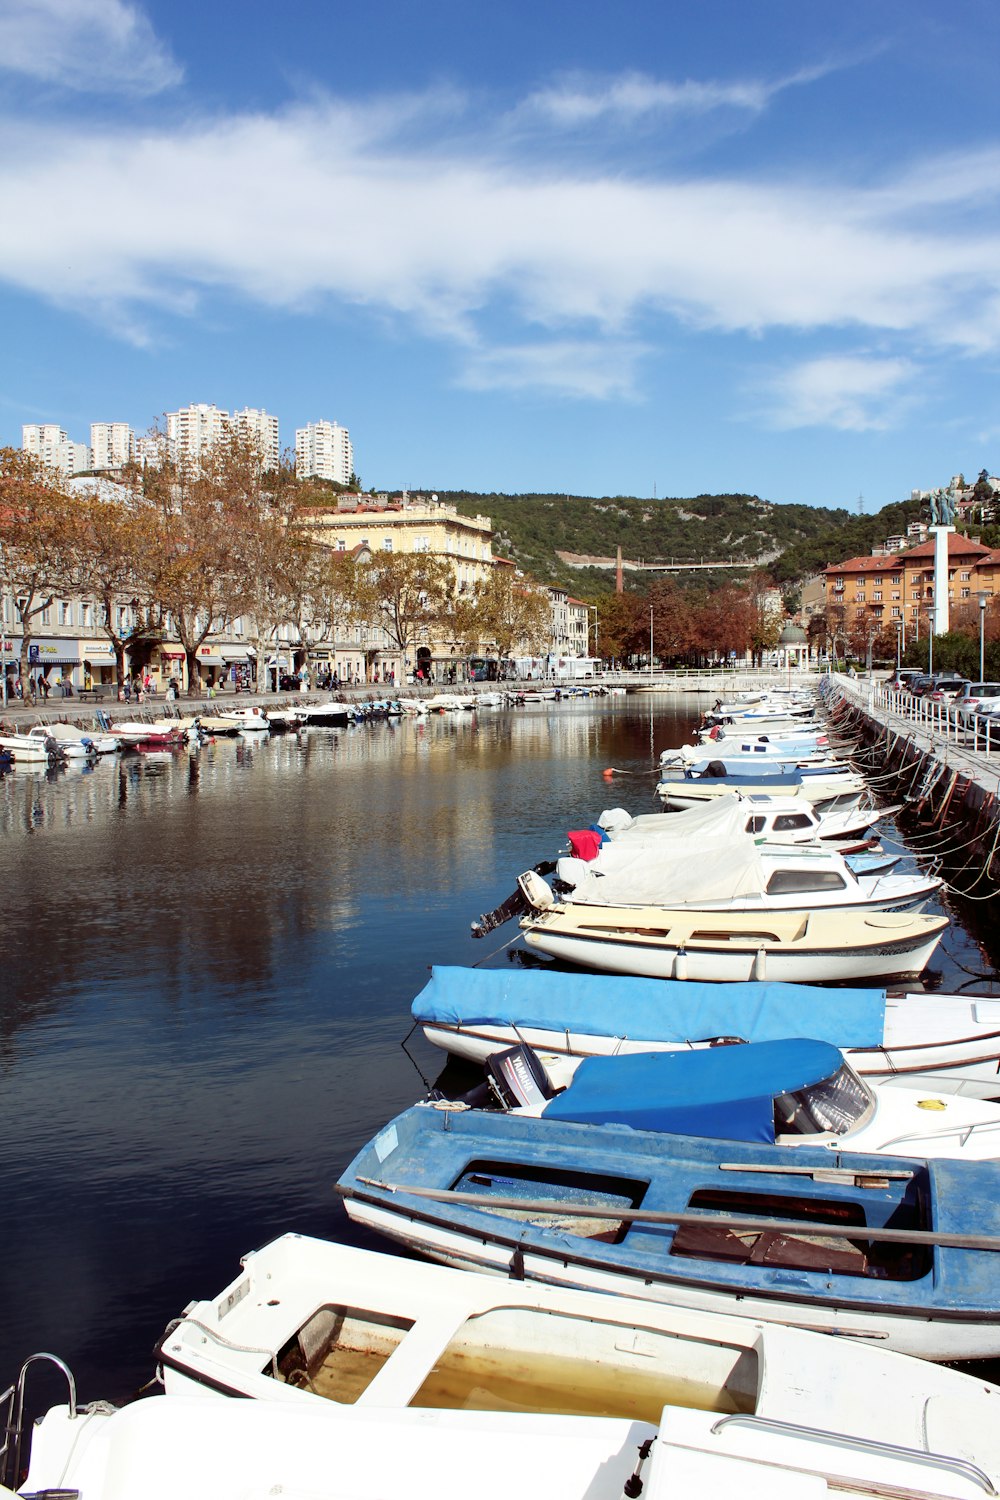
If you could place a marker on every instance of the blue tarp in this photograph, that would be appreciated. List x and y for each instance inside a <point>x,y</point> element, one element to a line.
<point>724,1092</point>
<point>655,1010</point>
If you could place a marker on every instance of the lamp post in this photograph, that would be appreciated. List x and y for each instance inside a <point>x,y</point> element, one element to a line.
<point>899,645</point>
<point>983,596</point>
<point>930,640</point>
<point>650,640</point>
<point>592,609</point>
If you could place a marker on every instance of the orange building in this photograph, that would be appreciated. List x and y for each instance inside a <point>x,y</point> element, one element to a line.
<point>898,588</point>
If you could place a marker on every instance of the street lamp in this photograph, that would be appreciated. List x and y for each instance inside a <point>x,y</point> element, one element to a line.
<point>982,596</point>
<point>592,608</point>
<point>930,640</point>
<point>650,640</point>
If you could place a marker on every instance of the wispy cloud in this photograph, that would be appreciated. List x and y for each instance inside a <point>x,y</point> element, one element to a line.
<point>595,370</point>
<point>852,393</point>
<point>91,46</point>
<point>396,212</point>
<point>580,99</point>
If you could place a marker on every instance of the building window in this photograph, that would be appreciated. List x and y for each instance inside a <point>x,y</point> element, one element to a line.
<point>965,577</point>
<point>46,616</point>
<point>895,593</point>
<point>896,612</point>
<point>877,594</point>
<point>897,577</point>
<point>876,580</point>
<point>965,593</point>
<point>341,544</point>
<point>65,613</point>
<point>387,544</point>
<point>87,614</point>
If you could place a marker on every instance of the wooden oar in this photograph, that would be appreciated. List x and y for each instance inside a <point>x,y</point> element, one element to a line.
<point>737,1222</point>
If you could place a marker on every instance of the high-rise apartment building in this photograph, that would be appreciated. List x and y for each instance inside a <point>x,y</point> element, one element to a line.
<point>261,426</point>
<point>323,451</point>
<point>112,445</point>
<point>193,430</point>
<point>52,447</point>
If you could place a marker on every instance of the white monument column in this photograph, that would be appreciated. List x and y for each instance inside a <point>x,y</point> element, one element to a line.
<point>941,616</point>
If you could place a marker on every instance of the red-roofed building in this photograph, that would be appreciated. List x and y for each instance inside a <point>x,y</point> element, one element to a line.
<point>899,588</point>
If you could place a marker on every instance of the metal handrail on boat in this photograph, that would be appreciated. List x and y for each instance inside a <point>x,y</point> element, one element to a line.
<point>862,1444</point>
<point>10,1451</point>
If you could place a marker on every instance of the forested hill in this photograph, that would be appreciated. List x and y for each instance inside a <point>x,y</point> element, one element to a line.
<point>789,542</point>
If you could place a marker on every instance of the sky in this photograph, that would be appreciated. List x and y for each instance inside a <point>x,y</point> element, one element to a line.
<point>646,248</point>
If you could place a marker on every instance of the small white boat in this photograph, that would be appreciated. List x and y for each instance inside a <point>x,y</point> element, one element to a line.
<point>177,1448</point>
<point>679,943</point>
<point>309,1324</point>
<point>72,742</point>
<point>30,750</point>
<point>737,874</point>
<point>246,720</point>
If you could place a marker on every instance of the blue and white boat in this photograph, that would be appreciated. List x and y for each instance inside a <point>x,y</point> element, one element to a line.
<point>947,1044</point>
<point>900,1252</point>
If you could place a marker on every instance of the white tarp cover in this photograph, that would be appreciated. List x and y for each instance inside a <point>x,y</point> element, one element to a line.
<point>723,817</point>
<point>672,872</point>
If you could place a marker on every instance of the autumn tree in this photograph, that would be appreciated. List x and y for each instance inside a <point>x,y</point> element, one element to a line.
<point>117,560</point>
<point>38,540</point>
<point>623,626</point>
<point>405,594</point>
<point>504,612</point>
<point>198,577</point>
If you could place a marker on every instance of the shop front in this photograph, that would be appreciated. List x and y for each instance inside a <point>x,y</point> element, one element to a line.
<point>171,667</point>
<point>239,663</point>
<point>98,665</point>
<point>56,662</point>
<point>211,667</point>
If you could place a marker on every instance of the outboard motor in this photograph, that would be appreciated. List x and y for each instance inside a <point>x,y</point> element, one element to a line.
<point>516,1078</point>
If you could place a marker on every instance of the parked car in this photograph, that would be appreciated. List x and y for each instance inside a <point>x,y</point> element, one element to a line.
<point>901,678</point>
<point>946,688</point>
<point>919,685</point>
<point>978,697</point>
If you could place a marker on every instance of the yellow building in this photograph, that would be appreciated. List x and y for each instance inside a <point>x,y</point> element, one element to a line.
<point>412,524</point>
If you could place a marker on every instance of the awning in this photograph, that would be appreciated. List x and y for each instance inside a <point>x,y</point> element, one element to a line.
<point>237,653</point>
<point>210,659</point>
<point>277,661</point>
<point>173,653</point>
<point>53,652</point>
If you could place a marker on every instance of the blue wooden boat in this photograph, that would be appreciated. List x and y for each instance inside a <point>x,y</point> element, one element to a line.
<point>901,1252</point>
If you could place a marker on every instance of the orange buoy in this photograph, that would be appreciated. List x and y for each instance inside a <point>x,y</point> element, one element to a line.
<point>609,773</point>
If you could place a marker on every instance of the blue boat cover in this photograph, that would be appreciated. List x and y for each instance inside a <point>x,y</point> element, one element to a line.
<point>652,1010</point>
<point>727,1093</point>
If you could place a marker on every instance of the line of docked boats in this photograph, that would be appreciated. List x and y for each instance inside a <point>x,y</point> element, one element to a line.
<point>690,1234</point>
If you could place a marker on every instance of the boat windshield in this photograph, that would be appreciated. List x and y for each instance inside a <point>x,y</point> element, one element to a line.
<point>833,1106</point>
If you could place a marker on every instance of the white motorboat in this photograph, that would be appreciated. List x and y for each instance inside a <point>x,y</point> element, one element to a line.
<point>774,820</point>
<point>177,1448</point>
<point>246,720</point>
<point>797,1092</point>
<point>697,786</point>
<point>72,742</point>
<point>682,943</point>
<point>946,1044</point>
<point>31,749</point>
<point>735,874</point>
<point>307,1323</point>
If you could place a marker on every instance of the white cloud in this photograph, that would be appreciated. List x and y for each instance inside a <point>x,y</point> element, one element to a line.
<point>852,393</point>
<point>93,46</point>
<point>564,367</point>
<point>370,206</point>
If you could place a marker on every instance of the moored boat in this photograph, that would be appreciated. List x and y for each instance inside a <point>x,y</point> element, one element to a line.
<point>944,1043</point>
<point>897,1251</point>
<point>680,943</point>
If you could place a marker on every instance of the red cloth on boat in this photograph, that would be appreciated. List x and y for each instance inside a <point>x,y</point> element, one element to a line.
<point>585,843</point>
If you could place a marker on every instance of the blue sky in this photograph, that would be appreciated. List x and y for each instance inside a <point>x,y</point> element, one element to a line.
<point>604,249</point>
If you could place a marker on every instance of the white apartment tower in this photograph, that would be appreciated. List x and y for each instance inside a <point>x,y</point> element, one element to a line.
<point>112,445</point>
<point>51,446</point>
<point>193,430</point>
<point>264,428</point>
<point>323,451</point>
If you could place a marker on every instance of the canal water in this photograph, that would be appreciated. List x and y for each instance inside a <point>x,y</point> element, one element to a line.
<point>207,966</point>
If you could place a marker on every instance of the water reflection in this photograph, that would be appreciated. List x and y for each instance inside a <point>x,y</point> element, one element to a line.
<point>207,969</point>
